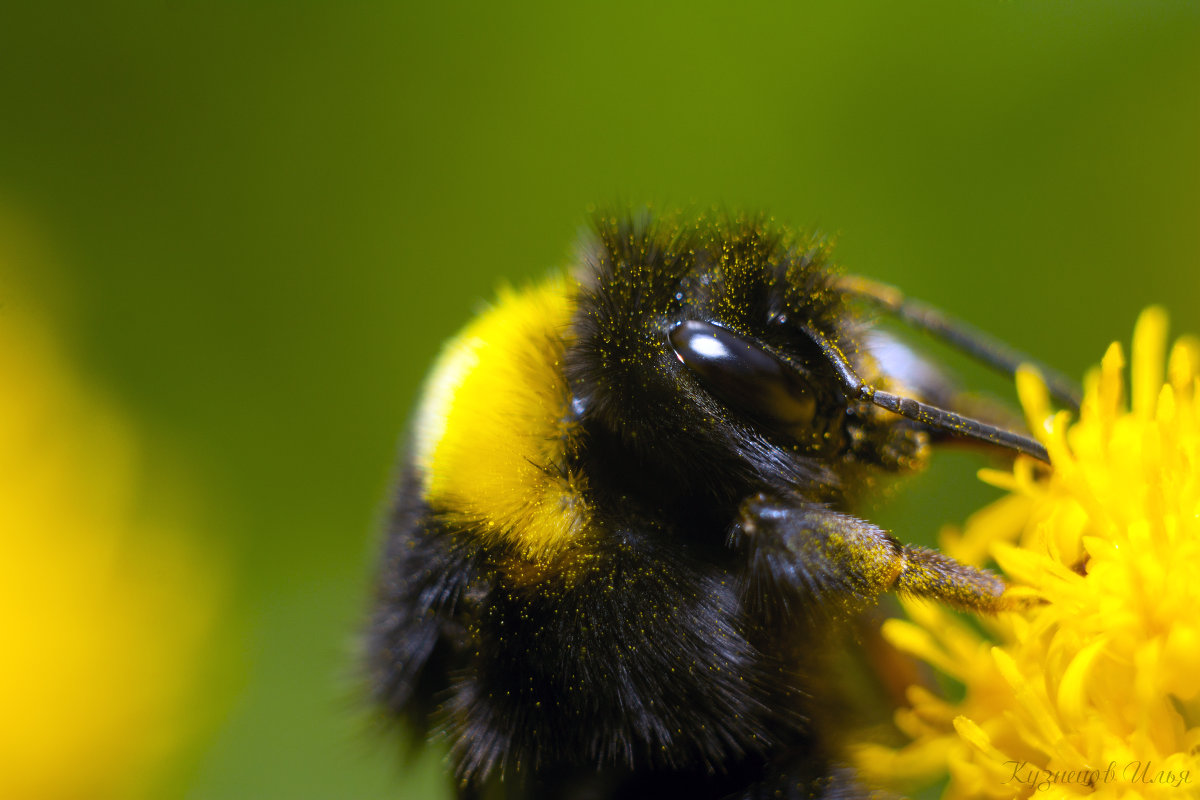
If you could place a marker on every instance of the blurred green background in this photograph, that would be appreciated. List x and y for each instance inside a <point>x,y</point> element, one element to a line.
<point>265,217</point>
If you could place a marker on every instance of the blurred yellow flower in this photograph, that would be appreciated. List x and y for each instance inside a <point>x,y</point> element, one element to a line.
<point>1096,690</point>
<point>105,614</point>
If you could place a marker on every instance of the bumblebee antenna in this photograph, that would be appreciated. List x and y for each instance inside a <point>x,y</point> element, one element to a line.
<point>972,341</point>
<point>924,413</point>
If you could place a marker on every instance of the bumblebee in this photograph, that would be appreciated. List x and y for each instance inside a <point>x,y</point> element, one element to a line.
<point>624,535</point>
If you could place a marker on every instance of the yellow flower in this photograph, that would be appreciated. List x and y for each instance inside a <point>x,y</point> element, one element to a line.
<point>106,611</point>
<point>1097,688</point>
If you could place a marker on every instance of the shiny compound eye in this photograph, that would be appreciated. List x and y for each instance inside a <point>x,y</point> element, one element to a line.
<point>740,373</point>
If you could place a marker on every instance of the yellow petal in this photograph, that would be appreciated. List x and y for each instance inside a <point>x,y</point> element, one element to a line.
<point>976,737</point>
<point>1072,689</point>
<point>1035,399</point>
<point>1149,347</point>
<point>1181,662</point>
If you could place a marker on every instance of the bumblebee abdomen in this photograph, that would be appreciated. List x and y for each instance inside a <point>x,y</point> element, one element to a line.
<point>494,432</point>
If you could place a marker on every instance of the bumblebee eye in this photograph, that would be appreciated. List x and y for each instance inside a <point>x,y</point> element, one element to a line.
<point>739,372</point>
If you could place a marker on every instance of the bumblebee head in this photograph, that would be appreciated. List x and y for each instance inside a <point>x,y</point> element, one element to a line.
<point>698,343</point>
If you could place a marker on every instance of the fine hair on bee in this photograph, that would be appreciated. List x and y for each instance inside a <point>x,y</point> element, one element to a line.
<point>623,540</point>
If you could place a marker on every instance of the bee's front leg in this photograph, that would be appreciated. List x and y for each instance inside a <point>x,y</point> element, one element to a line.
<point>808,560</point>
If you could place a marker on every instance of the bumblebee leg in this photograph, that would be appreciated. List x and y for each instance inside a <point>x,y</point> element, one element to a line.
<point>807,559</point>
